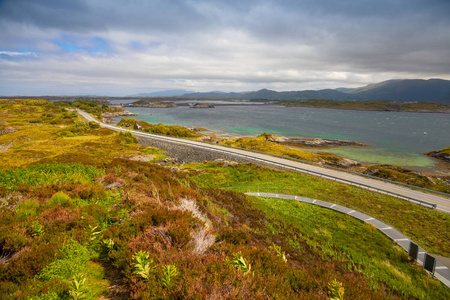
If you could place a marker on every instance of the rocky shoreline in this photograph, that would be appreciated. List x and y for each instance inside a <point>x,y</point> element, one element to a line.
<point>313,142</point>
<point>201,105</point>
<point>107,117</point>
<point>154,104</point>
<point>443,154</point>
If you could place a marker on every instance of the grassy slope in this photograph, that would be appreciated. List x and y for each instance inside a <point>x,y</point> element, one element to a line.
<point>67,217</point>
<point>430,228</point>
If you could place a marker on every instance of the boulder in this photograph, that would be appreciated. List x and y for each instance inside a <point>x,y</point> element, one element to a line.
<point>8,129</point>
<point>347,163</point>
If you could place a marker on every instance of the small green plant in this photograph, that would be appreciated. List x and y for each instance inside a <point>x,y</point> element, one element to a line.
<point>37,229</point>
<point>336,290</point>
<point>240,263</point>
<point>278,252</point>
<point>123,215</point>
<point>142,265</point>
<point>94,234</point>
<point>170,272</point>
<point>109,243</point>
<point>78,288</point>
<point>126,138</point>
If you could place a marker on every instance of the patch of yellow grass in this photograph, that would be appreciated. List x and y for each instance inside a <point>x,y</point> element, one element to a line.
<point>395,272</point>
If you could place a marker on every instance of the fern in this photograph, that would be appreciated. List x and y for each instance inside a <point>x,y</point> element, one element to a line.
<point>142,265</point>
<point>335,290</point>
<point>240,263</point>
<point>278,252</point>
<point>79,288</point>
<point>170,272</point>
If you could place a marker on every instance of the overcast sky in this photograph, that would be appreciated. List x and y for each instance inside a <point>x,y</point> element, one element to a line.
<point>118,47</point>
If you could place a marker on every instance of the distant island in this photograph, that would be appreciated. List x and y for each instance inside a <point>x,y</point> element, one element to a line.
<point>201,105</point>
<point>421,106</point>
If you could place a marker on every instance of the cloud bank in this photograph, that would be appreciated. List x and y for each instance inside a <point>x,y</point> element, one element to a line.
<point>126,47</point>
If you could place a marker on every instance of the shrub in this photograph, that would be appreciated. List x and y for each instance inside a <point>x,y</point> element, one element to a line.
<point>235,236</point>
<point>28,208</point>
<point>74,261</point>
<point>127,137</point>
<point>59,198</point>
<point>94,125</point>
<point>37,229</point>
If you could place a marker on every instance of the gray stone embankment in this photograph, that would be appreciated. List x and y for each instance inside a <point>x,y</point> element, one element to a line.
<point>185,153</point>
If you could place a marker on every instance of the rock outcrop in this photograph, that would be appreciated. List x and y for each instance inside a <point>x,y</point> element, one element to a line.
<point>440,154</point>
<point>7,129</point>
<point>312,142</point>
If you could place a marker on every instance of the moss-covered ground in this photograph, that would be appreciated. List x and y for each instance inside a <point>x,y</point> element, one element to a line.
<point>82,218</point>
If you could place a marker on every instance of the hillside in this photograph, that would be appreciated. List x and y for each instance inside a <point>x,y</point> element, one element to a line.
<point>297,95</point>
<point>87,213</point>
<point>406,90</point>
<point>213,94</point>
<point>165,93</point>
<point>392,90</point>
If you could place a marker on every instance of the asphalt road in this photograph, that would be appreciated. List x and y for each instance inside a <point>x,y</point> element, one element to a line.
<point>416,196</point>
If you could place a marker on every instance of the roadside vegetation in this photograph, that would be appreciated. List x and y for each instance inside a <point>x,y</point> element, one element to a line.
<point>378,105</point>
<point>404,175</point>
<point>172,130</point>
<point>83,216</point>
<point>261,143</point>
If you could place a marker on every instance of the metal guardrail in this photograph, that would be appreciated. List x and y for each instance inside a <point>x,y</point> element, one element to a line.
<point>436,268</point>
<point>180,140</point>
<point>296,192</point>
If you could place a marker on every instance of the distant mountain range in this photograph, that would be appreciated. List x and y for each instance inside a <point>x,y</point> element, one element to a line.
<point>166,93</point>
<point>394,90</point>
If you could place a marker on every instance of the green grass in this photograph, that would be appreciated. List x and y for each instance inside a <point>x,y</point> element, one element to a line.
<point>42,175</point>
<point>445,151</point>
<point>430,227</point>
<point>341,237</point>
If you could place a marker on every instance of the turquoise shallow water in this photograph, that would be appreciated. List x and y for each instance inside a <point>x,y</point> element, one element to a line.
<point>395,138</point>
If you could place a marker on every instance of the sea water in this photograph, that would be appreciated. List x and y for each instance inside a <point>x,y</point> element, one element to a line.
<point>394,137</point>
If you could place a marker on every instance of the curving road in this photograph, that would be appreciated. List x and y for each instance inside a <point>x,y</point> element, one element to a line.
<point>430,200</point>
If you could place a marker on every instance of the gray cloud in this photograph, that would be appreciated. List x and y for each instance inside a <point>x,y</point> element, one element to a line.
<point>231,45</point>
